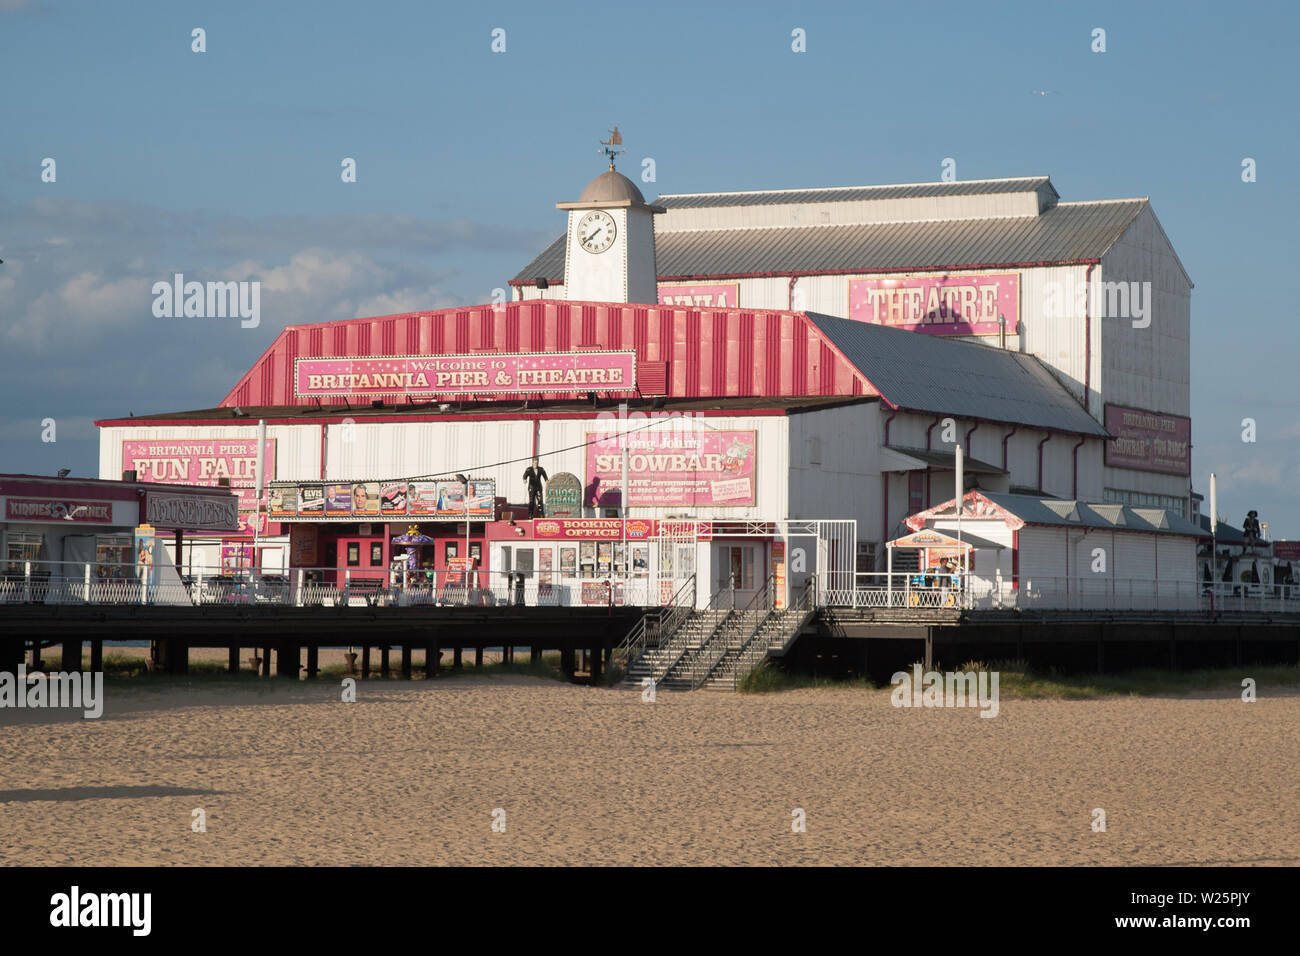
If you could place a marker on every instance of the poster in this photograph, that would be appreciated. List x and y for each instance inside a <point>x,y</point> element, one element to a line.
<point>338,499</point>
<point>392,498</point>
<point>778,572</point>
<point>422,498</point>
<point>544,567</point>
<point>604,551</point>
<point>365,498</point>
<point>569,562</point>
<point>284,500</point>
<point>587,558</point>
<point>701,467</point>
<point>311,500</point>
<point>598,592</point>
<point>640,559</point>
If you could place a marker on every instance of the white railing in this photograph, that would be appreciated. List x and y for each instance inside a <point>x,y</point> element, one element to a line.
<point>1046,592</point>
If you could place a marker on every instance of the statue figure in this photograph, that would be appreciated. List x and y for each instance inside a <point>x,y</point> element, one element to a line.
<point>1250,528</point>
<point>534,475</point>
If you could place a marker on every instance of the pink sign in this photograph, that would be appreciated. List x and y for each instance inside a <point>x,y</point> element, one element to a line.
<point>53,510</point>
<point>485,374</point>
<point>1286,550</point>
<point>726,296</point>
<point>201,462</point>
<point>938,304</point>
<point>1148,441</point>
<point>673,468</point>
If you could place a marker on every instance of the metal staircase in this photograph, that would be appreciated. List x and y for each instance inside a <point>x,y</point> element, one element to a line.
<point>716,647</point>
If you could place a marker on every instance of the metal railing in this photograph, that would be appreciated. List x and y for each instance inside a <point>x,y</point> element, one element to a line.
<point>656,625</point>
<point>803,605</point>
<point>734,632</point>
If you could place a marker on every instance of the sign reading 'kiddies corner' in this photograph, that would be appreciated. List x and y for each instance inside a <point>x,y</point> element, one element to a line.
<point>484,374</point>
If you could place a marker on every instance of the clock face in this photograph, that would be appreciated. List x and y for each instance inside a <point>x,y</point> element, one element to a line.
<point>596,231</point>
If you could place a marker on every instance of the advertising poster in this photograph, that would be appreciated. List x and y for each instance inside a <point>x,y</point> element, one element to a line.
<point>778,572</point>
<point>392,498</point>
<point>544,567</point>
<point>598,592</point>
<point>938,304</point>
<point>640,559</point>
<point>1148,441</point>
<point>587,558</point>
<point>338,499</point>
<point>675,468</point>
<point>422,498</point>
<point>311,500</point>
<point>569,562</point>
<point>365,498</point>
<point>604,551</point>
<point>482,499</point>
<point>284,500</point>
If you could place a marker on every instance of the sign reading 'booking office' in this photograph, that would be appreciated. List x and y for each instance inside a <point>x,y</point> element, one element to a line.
<point>483,374</point>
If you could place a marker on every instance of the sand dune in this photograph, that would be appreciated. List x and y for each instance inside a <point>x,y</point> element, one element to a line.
<point>412,773</point>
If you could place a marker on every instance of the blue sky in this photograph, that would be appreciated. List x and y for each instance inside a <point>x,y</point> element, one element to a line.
<point>226,164</point>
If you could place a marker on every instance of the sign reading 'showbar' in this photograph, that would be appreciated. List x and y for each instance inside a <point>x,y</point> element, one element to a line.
<point>485,374</point>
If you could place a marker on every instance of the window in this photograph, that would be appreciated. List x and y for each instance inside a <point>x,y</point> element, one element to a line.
<point>354,554</point>
<point>376,554</point>
<point>738,567</point>
<point>915,492</point>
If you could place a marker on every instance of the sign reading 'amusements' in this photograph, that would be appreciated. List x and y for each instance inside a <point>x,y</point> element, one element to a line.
<point>485,374</point>
<point>192,512</point>
<point>938,304</point>
<point>674,468</point>
<point>1148,441</point>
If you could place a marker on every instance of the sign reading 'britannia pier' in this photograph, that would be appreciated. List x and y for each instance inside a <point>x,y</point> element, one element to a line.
<point>485,374</point>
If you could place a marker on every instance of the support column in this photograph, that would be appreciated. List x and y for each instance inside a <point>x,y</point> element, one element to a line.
<point>929,648</point>
<point>232,659</point>
<point>383,661</point>
<point>594,658</point>
<point>71,655</point>
<point>478,656</point>
<point>34,658</point>
<point>266,660</point>
<point>456,659</point>
<point>535,655</point>
<point>288,659</point>
<point>435,655</point>
<point>406,661</point>
<point>507,654</point>
<point>1101,649</point>
<point>365,661</point>
<point>96,656</point>
<point>313,661</point>
<point>178,656</point>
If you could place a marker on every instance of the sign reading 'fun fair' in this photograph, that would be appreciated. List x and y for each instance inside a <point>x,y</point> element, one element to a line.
<point>485,374</point>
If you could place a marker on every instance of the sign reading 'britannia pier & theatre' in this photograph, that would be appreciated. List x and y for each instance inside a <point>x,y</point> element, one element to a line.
<point>482,374</point>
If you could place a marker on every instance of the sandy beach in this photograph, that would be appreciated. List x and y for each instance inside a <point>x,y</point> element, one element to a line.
<point>412,773</point>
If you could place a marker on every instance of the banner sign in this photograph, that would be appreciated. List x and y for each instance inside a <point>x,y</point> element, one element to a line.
<point>598,592</point>
<point>674,468</point>
<point>1286,550</point>
<point>611,529</point>
<point>1148,441</point>
<point>192,512</point>
<point>47,510</point>
<point>200,461</point>
<point>725,296</point>
<point>481,374</point>
<point>429,500</point>
<point>938,304</point>
<point>777,571</point>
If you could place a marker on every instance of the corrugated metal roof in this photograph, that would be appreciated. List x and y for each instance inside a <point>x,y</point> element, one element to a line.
<point>1066,232</point>
<point>970,187</point>
<point>1081,514</point>
<point>933,373</point>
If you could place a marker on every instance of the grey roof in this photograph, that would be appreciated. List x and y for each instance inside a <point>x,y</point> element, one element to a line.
<point>970,187</point>
<point>1082,514</point>
<point>1226,533</point>
<point>942,375</point>
<point>1065,232</point>
<point>948,459</point>
<point>611,186</point>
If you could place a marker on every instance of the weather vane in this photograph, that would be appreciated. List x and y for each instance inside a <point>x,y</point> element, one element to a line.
<point>608,147</point>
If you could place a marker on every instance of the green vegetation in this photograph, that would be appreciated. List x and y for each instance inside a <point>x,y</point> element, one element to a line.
<point>1017,679</point>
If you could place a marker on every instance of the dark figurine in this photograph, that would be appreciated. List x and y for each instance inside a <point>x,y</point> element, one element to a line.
<point>535,475</point>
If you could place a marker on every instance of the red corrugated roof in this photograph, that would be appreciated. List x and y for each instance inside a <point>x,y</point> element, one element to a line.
<point>685,353</point>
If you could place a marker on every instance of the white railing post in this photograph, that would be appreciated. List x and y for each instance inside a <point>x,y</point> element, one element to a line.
<point>87,591</point>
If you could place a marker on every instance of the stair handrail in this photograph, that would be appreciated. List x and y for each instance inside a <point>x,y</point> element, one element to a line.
<point>725,636</point>
<point>635,643</point>
<point>755,650</point>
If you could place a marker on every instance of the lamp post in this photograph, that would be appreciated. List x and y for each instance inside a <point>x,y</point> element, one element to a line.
<point>961,552</point>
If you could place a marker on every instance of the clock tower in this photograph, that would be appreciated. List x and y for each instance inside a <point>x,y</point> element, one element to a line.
<point>609,253</point>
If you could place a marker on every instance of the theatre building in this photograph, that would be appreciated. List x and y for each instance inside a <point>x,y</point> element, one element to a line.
<point>764,437</point>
